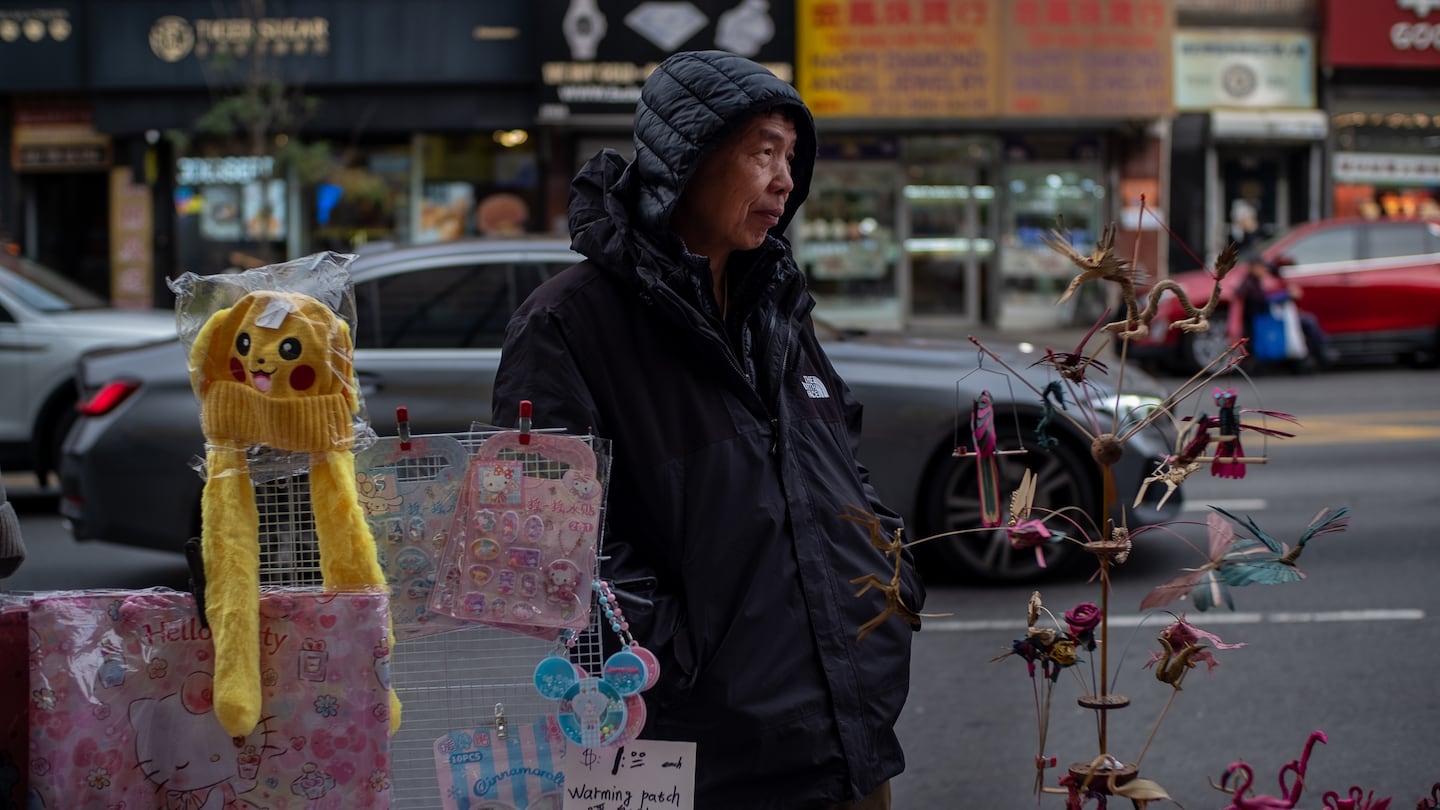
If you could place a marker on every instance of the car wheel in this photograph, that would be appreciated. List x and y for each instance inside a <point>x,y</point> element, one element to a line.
<point>951,502</point>
<point>1199,349</point>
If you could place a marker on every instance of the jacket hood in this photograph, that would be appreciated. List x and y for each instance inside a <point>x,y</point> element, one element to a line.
<point>688,105</point>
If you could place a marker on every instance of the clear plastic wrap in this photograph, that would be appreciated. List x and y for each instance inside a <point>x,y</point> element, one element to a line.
<point>122,704</point>
<point>271,355</point>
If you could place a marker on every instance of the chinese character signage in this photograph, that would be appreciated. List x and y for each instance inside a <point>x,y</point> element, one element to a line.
<point>595,54</point>
<point>132,259</point>
<point>985,58</point>
<point>1228,68</point>
<point>1383,168</point>
<point>1383,33</point>
<point>57,136</point>
<point>899,58</point>
<point>1096,58</point>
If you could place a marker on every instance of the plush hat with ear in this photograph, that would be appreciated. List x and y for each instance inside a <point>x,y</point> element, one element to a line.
<point>275,370</point>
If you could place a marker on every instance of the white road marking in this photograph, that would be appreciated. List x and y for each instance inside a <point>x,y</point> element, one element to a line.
<point>1199,619</point>
<point>1228,504</point>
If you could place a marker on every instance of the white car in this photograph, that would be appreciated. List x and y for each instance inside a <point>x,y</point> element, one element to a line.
<point>46,323</point>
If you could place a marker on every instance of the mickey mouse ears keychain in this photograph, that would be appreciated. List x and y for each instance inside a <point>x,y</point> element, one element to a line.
<point>608,710</point>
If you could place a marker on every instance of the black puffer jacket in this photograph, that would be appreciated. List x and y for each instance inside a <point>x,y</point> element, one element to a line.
<point>733,463</point>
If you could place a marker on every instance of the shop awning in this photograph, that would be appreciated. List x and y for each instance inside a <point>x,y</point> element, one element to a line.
<point>1269,125</point>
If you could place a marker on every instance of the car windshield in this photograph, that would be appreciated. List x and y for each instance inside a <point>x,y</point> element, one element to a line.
<point>41,288</point>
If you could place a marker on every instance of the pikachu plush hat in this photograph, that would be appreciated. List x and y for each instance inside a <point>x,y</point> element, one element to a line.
<point>274,369</point>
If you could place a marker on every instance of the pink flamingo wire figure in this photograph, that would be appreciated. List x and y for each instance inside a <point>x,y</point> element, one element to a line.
<point>1358,800</point>
<point>1246,777</point>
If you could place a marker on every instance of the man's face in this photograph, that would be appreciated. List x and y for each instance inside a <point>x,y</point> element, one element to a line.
<point>739,192</point>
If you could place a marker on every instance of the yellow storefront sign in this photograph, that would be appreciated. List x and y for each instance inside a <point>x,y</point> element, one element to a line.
<point>985,58</point>
<point>898,58</point>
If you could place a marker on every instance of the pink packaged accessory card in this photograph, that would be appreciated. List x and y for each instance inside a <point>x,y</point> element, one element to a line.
<point>410,495</point>
<point>523,543</point>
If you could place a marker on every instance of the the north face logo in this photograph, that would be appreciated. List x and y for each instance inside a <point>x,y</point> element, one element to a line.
<point>814,387</point>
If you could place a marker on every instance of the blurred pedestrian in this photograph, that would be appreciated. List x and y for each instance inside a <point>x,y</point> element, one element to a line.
<point>685,337</point>
<point>1264,287</point>
<point>12,550</point>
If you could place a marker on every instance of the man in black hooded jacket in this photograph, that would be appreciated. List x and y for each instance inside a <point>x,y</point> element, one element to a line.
<point>686,339</point>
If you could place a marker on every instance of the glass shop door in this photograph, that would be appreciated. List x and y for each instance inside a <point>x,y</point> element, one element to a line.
<point>950,245</point>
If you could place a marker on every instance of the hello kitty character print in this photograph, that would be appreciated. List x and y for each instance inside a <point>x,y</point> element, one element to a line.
<point>185,753</point>
<point>122,715</point>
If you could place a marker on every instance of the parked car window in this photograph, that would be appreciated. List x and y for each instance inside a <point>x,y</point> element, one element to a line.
<point>43,289</point>
<point>1401,239</point>
<point>1330,245</point>
<point>456,307</point>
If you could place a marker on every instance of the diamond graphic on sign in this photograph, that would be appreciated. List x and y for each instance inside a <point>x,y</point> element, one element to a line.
<point>745,28</point>
<point>667,25</point>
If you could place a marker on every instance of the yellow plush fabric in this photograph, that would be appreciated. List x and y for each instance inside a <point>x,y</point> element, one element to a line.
<point>274,370</point>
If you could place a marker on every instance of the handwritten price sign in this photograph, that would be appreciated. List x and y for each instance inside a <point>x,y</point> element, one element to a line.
<point>640,775</point>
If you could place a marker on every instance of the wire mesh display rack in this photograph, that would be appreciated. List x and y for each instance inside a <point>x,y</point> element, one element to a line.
<point>472,677</point>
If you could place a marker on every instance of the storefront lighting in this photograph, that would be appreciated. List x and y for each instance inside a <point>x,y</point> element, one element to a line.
<point>510,138</point>
<point>1390,120</point>
<point>950,245</point>
<point>868,226</point>
<point>937,192</point>
<point>983,192</point>
<point>1053,180</point>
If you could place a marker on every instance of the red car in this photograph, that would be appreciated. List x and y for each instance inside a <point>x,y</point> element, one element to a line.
<point>1373,285</point>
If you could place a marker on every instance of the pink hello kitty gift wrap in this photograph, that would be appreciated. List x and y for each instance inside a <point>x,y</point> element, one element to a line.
<point>121,713</point>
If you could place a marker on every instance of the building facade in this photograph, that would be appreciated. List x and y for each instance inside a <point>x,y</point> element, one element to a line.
<point>152,138</point>
<point>1382,63</point>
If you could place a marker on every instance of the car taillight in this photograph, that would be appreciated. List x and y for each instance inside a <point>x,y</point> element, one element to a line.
<point>108,398</point>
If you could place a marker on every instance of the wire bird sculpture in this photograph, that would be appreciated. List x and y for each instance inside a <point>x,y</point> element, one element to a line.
<point>1232,561</point>
<point>1103,264</point>
<point>894,602</point>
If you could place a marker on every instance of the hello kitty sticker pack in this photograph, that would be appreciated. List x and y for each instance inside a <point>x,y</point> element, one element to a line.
<point>121,715</point>
<point>523,542</point>
<point>409,496</point>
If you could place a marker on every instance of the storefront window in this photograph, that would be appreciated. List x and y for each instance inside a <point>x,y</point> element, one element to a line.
<point>230,212</point>
<point>365,198</point>
<point>478,185</point>
<point>847,244</point>
<point>1070,198</point>
<point>1386,166</point>
<point>949,246</point>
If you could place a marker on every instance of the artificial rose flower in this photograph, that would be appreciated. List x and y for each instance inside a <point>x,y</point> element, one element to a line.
<point>1063,653</point>
<point>1083,618</point>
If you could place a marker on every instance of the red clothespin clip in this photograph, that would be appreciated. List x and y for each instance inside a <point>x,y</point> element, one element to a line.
<point>402,426</point>
<point>525,410</point>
